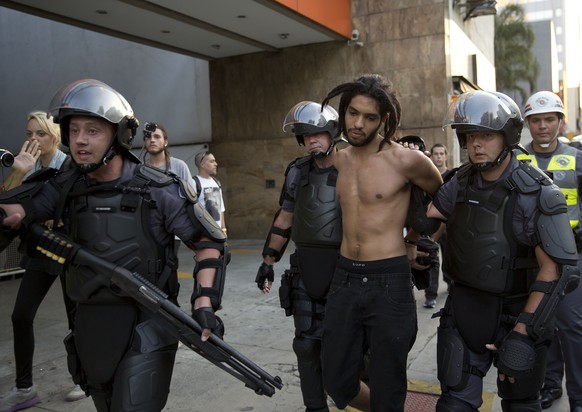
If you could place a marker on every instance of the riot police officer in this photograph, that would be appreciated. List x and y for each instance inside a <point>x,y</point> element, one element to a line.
<point>510,254</point>
<point>309,214</point>
<point>128,214</point>
<point>544,114</point>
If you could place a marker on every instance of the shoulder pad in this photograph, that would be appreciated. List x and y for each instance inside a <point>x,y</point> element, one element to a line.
<point>289,166</point>
<point>551,200</point>
<point>156,176</point>
<point>42,175</point>
<point>528,178</point>
<point>462,170</point>
<point>189,191</point>
<point>302,161</point>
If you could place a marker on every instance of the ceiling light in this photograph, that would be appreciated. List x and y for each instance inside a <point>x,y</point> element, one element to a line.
<point>283,36</point>
<point>215,46</point>
<point>101,11</point>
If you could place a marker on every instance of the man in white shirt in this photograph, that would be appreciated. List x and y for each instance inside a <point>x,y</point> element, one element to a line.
<point>209,188</point>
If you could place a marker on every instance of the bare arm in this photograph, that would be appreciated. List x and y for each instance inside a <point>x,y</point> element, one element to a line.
<point>423,173</point>
<point>223,222</point>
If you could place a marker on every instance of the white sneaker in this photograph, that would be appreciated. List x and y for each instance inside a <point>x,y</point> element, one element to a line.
<point>19,399</point>
<point>75,394</point>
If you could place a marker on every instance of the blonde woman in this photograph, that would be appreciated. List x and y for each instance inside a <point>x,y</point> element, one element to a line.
<point>40,150</point>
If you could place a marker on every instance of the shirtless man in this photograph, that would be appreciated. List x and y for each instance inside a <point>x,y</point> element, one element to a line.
<point>371,303</point>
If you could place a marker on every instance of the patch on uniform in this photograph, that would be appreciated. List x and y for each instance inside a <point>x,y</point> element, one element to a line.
<point>558,175</point>
<point>562,160</point>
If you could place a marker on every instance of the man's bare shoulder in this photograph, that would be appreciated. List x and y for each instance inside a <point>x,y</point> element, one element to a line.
<point>342,156</point>
<point>408,158</point>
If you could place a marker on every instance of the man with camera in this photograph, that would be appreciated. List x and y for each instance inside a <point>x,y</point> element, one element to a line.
<point>157,154</point>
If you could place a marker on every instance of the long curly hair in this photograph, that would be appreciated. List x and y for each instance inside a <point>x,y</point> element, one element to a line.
<point>379,89</point>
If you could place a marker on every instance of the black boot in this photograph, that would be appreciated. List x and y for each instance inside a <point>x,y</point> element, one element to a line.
<point>548,395</point>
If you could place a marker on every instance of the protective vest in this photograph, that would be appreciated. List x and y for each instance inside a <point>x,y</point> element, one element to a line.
<point>112,222</point>
<point>317,214</point>
<point>562,167</point>
<point>481,250</point>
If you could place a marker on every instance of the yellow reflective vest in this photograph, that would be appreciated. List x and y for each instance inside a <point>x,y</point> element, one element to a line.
<point>562,168</point>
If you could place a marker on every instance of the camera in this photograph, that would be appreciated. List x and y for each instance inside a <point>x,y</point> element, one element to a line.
<point>6,158</point>
<point>148,129</point>
<point>355,34</point>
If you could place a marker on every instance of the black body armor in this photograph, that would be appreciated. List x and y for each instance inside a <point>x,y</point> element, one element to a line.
<point>113,224</point>
<point>481,251</point>
<point>317,215</point>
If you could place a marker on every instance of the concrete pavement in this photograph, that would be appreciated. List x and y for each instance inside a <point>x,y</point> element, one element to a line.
<point>255,325</point>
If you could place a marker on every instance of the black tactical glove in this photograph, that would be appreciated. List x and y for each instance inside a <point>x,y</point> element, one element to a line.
<point>207,319</point>
<point>265,273</point>
<point>516,355</point>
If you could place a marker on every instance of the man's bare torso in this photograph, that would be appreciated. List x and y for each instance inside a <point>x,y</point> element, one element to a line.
<point>374,192</point>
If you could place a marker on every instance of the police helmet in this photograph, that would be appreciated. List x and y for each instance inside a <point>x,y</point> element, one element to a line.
<point>308,118</point>
<point>544,102</point>
<point>89,97</point>
<point>481,111</point>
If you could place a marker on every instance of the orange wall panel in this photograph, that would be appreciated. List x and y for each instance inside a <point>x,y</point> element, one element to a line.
<point>333,14</point>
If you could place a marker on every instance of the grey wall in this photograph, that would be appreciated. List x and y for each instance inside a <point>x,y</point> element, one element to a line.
<point>38,56</point>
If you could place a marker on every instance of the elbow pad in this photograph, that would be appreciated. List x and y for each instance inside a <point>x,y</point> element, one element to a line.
<point>539,325</point>
<point>216,291</point>
<point>284,233</point>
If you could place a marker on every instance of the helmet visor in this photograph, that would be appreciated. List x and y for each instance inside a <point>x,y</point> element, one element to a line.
<point>478,108</point>
<point>91,97</point>
<point>310,113</point>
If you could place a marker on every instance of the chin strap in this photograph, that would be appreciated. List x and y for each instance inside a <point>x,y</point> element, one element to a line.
<point>481,167</point>
<point>321,155</point>
<point>91,167</point>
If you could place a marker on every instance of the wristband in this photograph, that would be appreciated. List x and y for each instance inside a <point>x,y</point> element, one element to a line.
<point>410,242</point>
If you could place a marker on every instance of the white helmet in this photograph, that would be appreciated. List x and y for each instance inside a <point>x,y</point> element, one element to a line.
<point>544,102</point>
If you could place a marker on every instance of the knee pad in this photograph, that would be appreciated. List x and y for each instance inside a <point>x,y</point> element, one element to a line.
<point>142,381</point>
<point>452,359</point>
<point>307,349</point>
<point>448,403</point>
<point>532,405</point>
